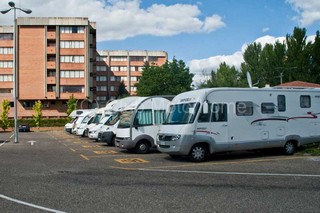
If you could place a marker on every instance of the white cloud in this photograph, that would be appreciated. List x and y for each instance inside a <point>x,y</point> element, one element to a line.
<point>121,19</point>
<point>309,11</point>
<point>266,29</point>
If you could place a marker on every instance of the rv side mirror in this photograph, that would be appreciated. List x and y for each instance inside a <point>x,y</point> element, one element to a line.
<point>136,123</point>
<point>205,107</point>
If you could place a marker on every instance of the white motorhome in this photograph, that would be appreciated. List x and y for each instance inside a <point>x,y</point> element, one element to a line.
<point>80,119</point>
<point>75,114</point>
<point>111,111</point>
<point>207,121</point>
<point>139,123</point>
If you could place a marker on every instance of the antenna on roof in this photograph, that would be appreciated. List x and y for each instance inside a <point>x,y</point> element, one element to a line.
<point>249,79</point>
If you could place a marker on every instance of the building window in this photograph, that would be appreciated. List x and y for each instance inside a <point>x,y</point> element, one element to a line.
<point>101,98</point>
<point>101,88</point>
<point>305,101</point>
<point>6,50</point>
<point>71,89</point>
<point>153,58</point>
<point>118,58</point>
<point>51,88</point>
<point>114,69</point>
<point>6,36</point>
<point>6,78</point>
<point>132,69</point>
<point>72,29</point>
<point>101,58</point>
<point>123,69</point>
<point>133,89</point>
<point>28,104</point>
<point>6,64</point>
<point>72,59</point>
<point>101,68</point>
<point>101,78</point>
<point>137,58</point>
<point>123,78</point>
<point>112,88</point>
<point>244,108</point>
<point>140,69</point>
<point>6,90</point>
<point>71,44</point>
<point>72,74</point>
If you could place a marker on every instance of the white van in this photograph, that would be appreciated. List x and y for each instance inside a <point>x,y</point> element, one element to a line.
<point>139,123</point>
<point>75,114</point>
<point>207,121</point>
<point>80,119</point>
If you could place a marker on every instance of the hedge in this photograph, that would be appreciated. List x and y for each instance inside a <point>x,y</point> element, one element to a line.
<point>45,122</point>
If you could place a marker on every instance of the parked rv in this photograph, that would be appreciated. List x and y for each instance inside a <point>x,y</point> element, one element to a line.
<point>74,115</point>
<point>207,121</point>
<point>139,124</point>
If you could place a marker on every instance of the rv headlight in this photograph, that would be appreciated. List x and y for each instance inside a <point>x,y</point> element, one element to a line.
<point>175,137</point>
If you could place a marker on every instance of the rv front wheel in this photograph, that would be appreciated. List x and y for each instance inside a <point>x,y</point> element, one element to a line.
<point>198,153</point>
<point>142,147</point>
<point>289,148</point>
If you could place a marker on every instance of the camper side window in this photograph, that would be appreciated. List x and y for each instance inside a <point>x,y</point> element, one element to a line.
<point>159,116</point>
<point>281,103</point>
<point>267,108</point>
<point>305,101</point>
<point>143,117</point>
<point>204,117</point>
<point>219,113</point>
<point>244,108</point>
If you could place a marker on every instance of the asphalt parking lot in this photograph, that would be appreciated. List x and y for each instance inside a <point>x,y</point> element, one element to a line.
<point>57,172</point>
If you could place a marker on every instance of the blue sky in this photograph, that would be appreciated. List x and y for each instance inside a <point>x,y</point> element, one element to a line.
<point>203,33</point>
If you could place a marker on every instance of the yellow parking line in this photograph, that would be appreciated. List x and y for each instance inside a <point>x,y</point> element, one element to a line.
<point>85,157</point>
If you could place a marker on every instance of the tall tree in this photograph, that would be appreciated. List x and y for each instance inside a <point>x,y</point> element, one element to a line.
<point>5,107</point>
<point>71,104</point>
<point>37,117</point>
<point>122,91</point>
<point>315,59</point>
<point>171,78</point>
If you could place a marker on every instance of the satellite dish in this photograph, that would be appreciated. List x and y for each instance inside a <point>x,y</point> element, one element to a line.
<point>249,79</point>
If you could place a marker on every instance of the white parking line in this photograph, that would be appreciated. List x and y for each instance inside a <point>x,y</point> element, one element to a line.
<point>230,173</point>
<point>30,204</point>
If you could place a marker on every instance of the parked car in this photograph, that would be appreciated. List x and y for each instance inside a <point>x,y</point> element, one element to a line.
<point>24,128</point>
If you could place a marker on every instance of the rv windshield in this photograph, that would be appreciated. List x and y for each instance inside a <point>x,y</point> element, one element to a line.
<point>125,119</point>
<point>182,113</point>
<point>113,119</point>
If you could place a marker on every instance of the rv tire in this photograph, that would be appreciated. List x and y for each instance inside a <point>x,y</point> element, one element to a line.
<point>289,148</point>
<point>198,153</point>
<point>142,147</point>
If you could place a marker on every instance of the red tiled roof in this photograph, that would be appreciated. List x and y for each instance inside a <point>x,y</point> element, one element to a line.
<point>300,84</point>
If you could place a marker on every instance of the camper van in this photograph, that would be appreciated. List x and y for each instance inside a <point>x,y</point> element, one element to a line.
<point>75,115</point>
<point>139,124</point>
<point>207,121</point>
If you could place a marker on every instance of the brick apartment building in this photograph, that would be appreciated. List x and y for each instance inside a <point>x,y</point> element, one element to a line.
<point>57,58</point>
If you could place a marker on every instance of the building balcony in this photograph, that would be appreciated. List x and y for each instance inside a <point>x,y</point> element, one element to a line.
<point>51,50</point>
<point>51,35</point>
<point>51,95</point>
<point>51,80</point>
<point>51,64</point>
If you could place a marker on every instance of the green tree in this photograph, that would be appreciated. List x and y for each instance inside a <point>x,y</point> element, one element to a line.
<point>5,107</point>
<point>225,76</point>
<point>171,78</point>
<point>37,117</point>
<point>71,104</point>
<point>122,91</point>
<point>315,59</point>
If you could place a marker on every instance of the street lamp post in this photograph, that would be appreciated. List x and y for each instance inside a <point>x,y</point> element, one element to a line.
<point>15,68</point>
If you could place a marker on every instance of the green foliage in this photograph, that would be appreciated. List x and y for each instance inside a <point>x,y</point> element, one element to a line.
<point>5,107</point>
<point>122,91</point>
<point>293,60</point>
<point>72,104</point>
<point>225,76</point>
<point>37,117</point>
<point>171,78</point>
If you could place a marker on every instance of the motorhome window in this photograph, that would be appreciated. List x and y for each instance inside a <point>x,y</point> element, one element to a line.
<point>305,101</point>
<point>244,108</point>
<point>182,113</point>
<point>143,117</point>
<point>125,119</point>
<point>267,108</point>
<point>219,113</point>
<point>113,119</point>
<point>159,116</point>
<point>97,118</point>
<point>204,117</point>
<point>281,103</point>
